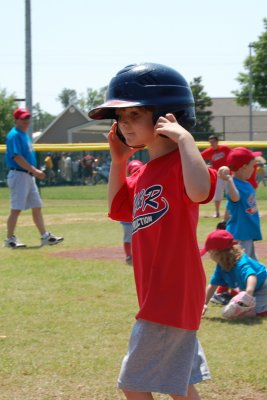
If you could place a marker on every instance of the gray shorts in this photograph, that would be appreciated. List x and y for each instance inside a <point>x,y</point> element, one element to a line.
<point>127,233</point>
<point>24,193</point>
<point>162,359</point>
<point>248,246</point>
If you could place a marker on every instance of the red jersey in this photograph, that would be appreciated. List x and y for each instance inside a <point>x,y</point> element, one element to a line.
<point>169,277</point>
<point>216,157</point>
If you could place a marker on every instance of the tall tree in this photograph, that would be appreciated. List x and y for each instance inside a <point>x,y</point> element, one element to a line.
<point>92,98</point>
<point>7,106</point>
<point>67,97</point>
<point>202,101</point>
<point>255,79</point>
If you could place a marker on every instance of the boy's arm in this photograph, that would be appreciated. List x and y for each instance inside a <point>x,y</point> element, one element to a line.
<point>195,172</point>
<point>224,174</point>
<point>210,290</point>
<point>251,284</point>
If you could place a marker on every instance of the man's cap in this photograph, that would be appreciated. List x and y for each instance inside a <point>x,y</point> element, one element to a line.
<point>133,166</point>
<point>240,156</point>
<point>219,239</point>
<point>21,113</point>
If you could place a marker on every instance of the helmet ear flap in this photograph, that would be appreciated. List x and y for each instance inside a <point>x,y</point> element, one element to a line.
<point>186,118</point>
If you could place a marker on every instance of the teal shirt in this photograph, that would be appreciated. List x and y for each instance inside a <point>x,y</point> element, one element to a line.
<point>18,143</point>
<point>244,221</point>
<point>238,275</point>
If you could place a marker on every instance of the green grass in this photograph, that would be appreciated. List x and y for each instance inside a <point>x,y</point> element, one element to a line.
<point>65,323</point>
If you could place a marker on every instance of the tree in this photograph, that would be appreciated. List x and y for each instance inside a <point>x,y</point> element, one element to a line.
<point>67,97</point>
<point>92,99</point>
<point>40,119</point>
<point>7,106</point>
<point>202,101</point>
<point>257,66</point>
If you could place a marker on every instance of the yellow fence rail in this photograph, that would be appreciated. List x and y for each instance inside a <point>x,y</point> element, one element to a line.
<point>105,146</point>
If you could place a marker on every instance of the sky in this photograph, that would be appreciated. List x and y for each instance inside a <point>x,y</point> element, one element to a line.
<point>80,44</point>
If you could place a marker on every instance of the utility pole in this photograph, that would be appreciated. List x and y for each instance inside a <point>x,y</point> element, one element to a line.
<point>250,93</point>
<point>28,59</point>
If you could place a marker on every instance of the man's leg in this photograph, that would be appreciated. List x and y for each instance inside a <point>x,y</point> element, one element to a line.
<point>12,222</point>
<point>38,219</point>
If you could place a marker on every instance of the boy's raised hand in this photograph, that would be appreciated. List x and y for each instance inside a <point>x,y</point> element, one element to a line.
<point>168,126</point>
<point>118,150</point>
<point>224,173</point>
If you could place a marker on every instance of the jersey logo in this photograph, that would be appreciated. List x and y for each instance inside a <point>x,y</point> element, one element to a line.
<point>149,199</point>
<point>253,206</point>
<point>218,156</point>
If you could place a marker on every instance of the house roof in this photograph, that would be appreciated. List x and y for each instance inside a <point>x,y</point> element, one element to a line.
<point>56,132</point>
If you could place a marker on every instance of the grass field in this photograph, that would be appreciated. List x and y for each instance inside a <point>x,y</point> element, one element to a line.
<point>65,322</point>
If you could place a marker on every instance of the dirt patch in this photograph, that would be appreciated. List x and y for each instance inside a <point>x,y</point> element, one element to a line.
<point>116,253</point>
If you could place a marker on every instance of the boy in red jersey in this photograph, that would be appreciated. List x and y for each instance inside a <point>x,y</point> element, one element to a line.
<point>151,102</point>
<point>217,155</point>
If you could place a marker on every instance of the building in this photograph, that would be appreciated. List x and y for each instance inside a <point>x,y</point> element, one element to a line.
<point>233,121</point>
<point>74,126</point>
<point>230,120</point>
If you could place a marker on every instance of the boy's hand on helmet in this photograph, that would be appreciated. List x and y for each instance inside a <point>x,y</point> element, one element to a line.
<point>119,151</point>
<point>169,127</point>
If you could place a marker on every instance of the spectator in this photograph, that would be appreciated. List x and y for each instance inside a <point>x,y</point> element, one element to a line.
<point>21,161</point>
<point>87,163</point>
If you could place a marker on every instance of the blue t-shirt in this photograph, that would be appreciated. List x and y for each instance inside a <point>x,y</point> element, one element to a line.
<point>244,221</point>
<point>238,275</point>
<point>18,143</point>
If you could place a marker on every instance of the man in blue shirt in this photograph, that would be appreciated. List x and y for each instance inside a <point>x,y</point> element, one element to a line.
<point>24,194</point>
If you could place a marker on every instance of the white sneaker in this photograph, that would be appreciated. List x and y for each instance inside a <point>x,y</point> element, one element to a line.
<point>13,243</point>
<point>51,240</point>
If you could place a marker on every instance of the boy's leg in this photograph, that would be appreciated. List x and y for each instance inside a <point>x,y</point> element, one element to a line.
<point>191,395</point>
<point>138,395</point>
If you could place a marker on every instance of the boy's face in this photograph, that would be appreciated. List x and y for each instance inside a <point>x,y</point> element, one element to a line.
<point>136,125</point>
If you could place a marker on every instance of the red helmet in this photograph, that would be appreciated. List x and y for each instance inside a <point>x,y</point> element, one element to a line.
<point>133,166</point>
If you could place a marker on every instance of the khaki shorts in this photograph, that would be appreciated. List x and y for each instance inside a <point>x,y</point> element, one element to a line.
<point>24,193</point>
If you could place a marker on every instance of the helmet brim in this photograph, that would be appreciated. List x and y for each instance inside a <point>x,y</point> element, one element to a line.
<point>107,109</point>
